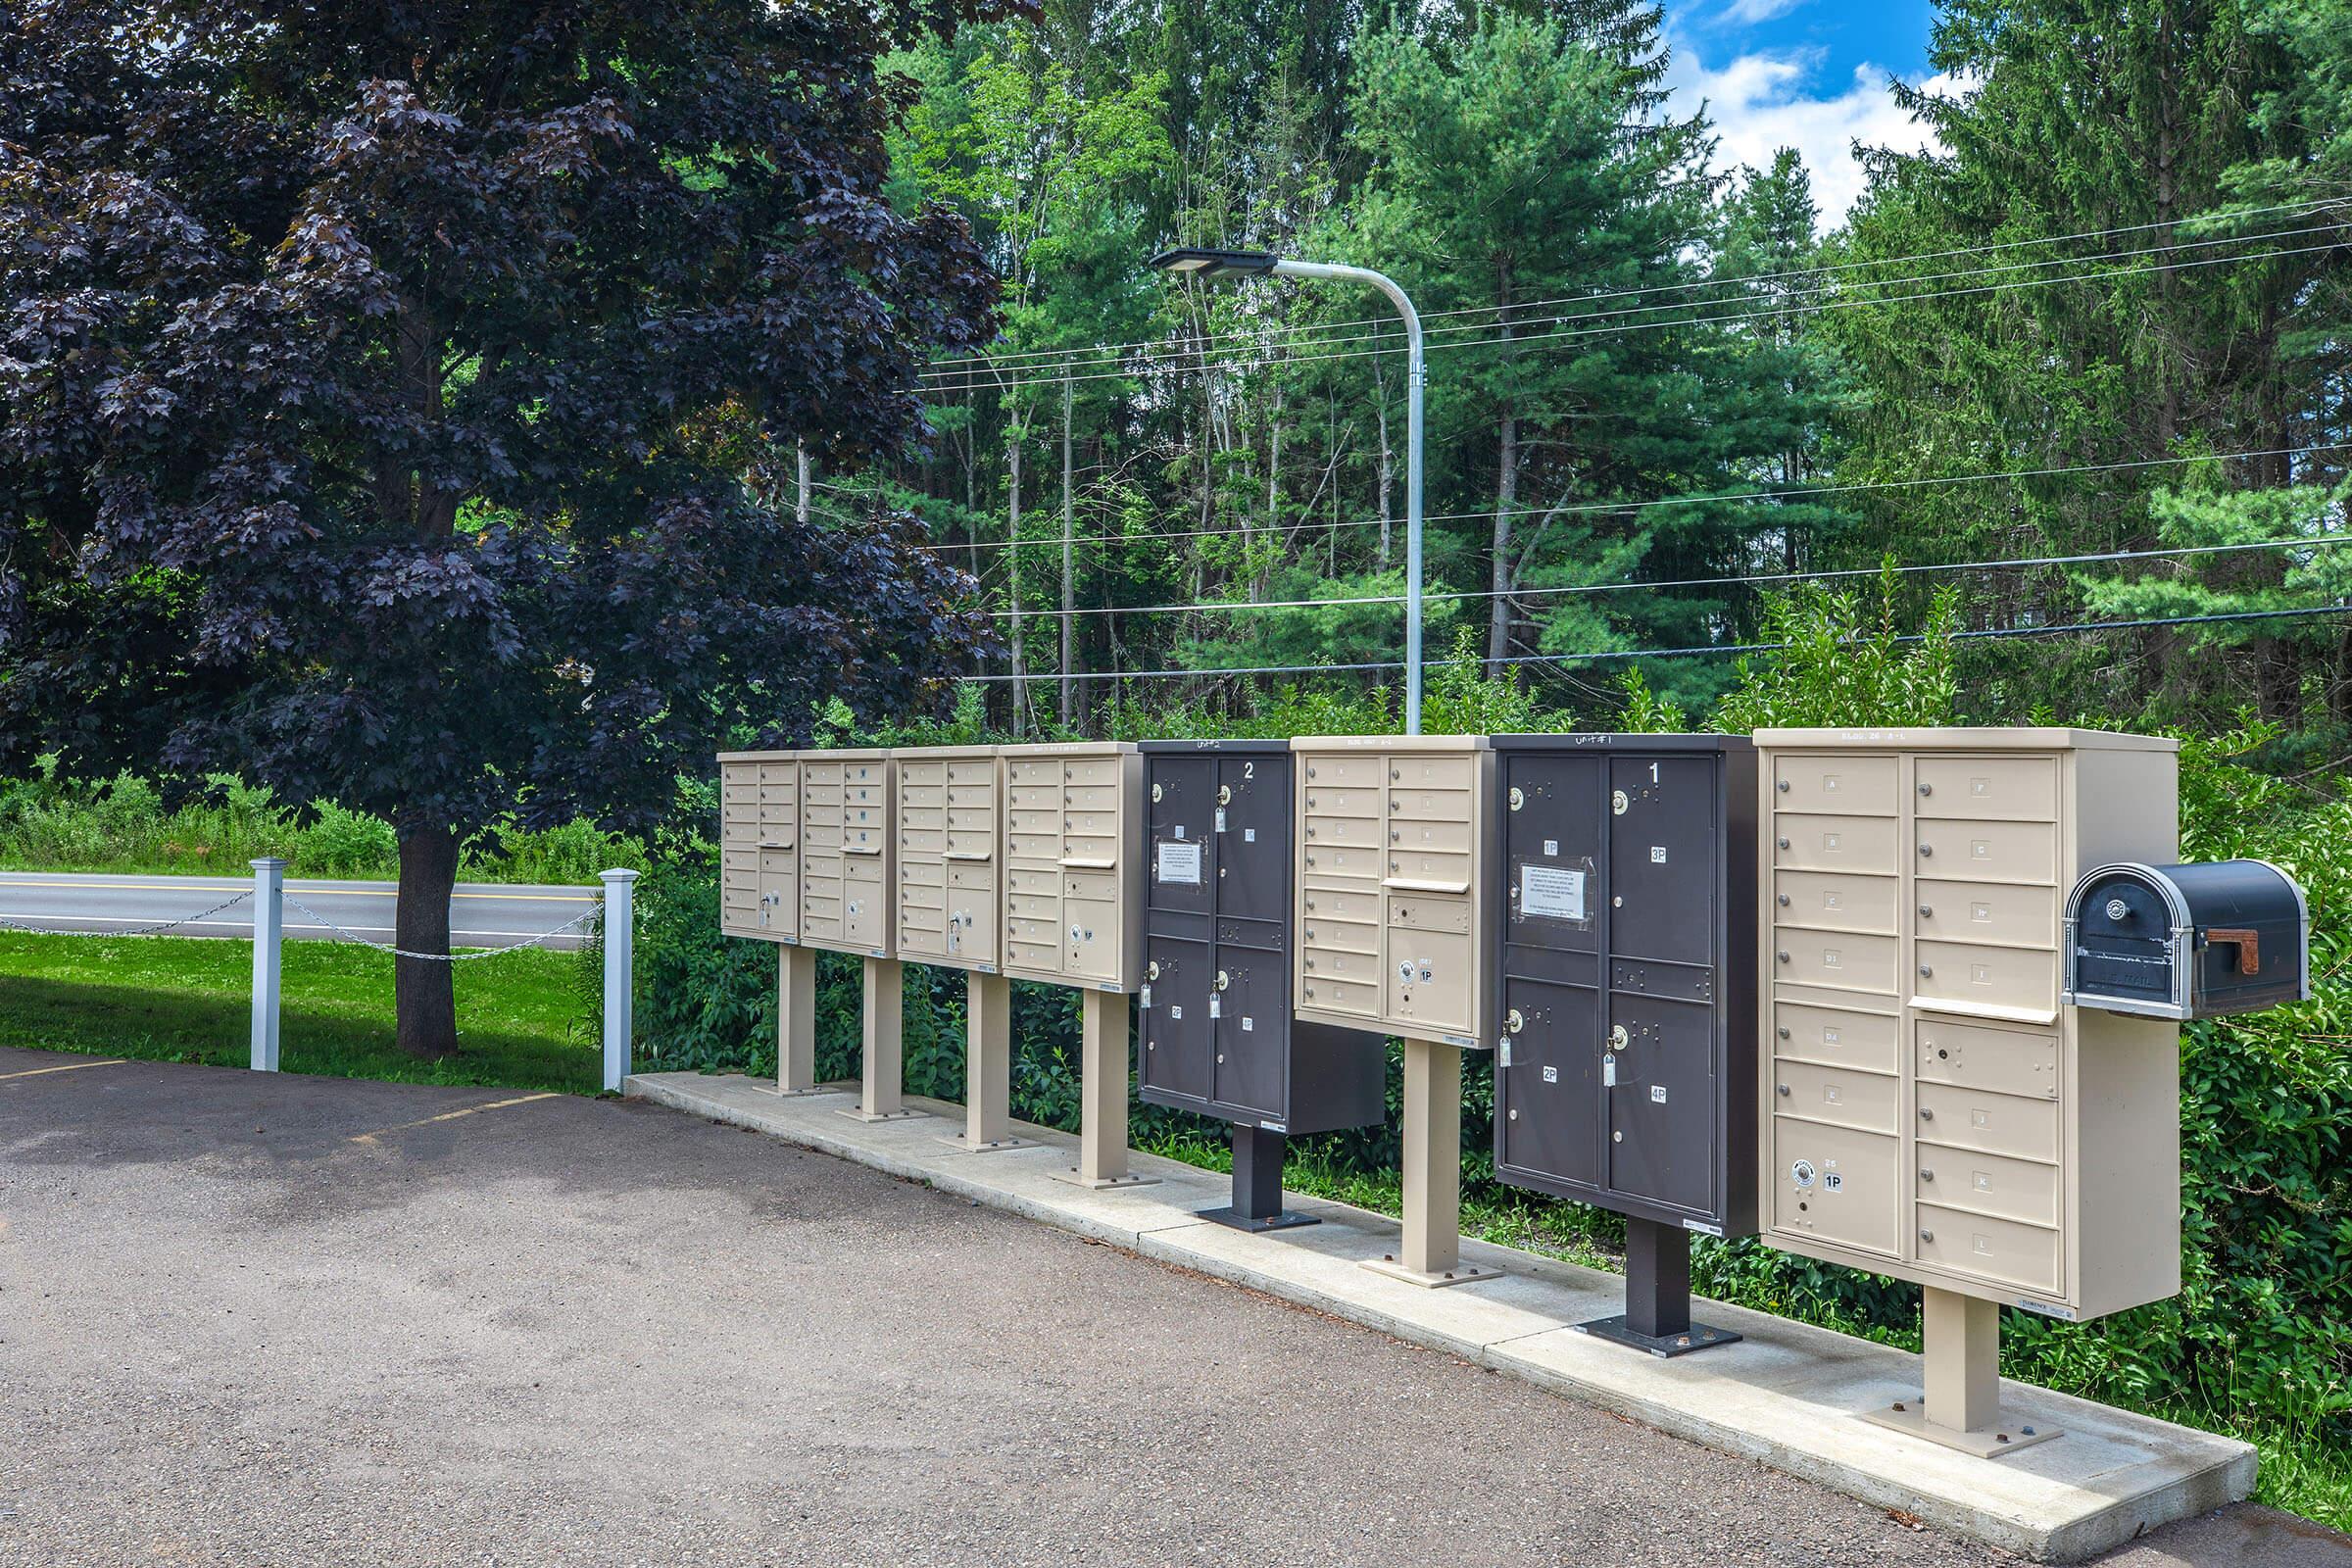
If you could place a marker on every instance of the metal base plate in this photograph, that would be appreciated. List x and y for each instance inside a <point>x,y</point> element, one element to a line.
<point>802,1093</point>
<point>1700,1337</point>
<point>1098,1184</point>
<point>862,1115</point>
<point>1234,1219</point>
<point>1986,1443</point>
<point>959,1141</point>
<point>1459,1274</point>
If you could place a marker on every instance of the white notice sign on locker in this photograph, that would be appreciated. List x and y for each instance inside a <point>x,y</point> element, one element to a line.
<point>1179,862</point>
<point>1550,892</point>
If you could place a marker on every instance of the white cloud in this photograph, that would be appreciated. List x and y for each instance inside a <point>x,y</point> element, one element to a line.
<point>1752,12</point>
<point>1759,104</point>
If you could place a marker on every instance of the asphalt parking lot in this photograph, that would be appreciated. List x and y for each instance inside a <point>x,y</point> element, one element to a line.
<point>252,1319</point>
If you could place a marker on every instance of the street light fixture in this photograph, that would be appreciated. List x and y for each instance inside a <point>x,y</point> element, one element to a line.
<point>1200,262</point>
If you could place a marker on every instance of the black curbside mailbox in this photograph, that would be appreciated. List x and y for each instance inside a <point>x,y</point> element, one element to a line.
<point>2193,941</point>
<point>1217,1036</point>
<point>1625,901</point>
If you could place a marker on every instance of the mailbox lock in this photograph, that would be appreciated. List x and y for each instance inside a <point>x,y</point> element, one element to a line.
<point>1310,830</point>
<point>1926,1173</point>
<point>1784,901</point>
<point>1617,1138</point>
<point>1311,774</point>
<point>1927,912</point>
<point>2116,909</point>
<point>1224,795</point>
<point>1152,972</point>
<point>1518,798</point>
<point>1783,1031</point>
<point>1927,1236</point>
<point>1618,1038</point>
<point>1924,1115</point>
<point>1220,979</point>
<point>1783,843</point>
<point>1618,803</point>
<point>1925,849</point>
<point>1156,793</point>
<point>1927,789</point>
<point>1782,954</point>
<point>1927,971</point>
<point>1515,1022</point>
<point>1783,1089</point>
<point>1783,786</point>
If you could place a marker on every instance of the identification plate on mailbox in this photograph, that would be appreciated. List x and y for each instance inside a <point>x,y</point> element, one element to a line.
<point>1179,862</point>
<point>1548,891</point>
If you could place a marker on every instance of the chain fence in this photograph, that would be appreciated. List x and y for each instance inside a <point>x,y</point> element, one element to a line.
<point>155,928</point>
<point>577,922</point>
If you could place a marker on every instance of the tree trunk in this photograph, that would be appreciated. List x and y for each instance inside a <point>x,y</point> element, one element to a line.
<point>423,995</point>
<point>1069,621</point>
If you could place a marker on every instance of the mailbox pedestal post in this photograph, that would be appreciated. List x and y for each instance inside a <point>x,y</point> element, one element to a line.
<point>987,1067</point>
<point>885,988</point>
<point>795,1022</point>
<point>1257,1157</point>
<point>1103,1094</point>
<point>1657,1295</point>
<point>1960,1405</point>
<point>1431,1253</point>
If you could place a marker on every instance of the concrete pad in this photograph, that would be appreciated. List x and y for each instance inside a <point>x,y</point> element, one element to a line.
<point>1789,1395</point>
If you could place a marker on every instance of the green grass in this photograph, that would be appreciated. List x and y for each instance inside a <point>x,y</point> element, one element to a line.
<point>522,1018</point>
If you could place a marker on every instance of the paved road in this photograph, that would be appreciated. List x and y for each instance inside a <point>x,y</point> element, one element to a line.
<point>481,914</point>
<point>294,1321</point>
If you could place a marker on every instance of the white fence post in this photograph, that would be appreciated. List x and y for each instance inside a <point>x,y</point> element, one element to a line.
<point>269,937</point>
<point>619,976</point>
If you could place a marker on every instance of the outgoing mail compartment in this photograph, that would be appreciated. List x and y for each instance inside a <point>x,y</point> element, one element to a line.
<point>2012,912</point>
<point>1405,833</point>
<point>1988,1184</point>
<point>1834,1183</point>
<point>1828,900</point>
<point>1355,772</point>
<point>1326,799</point>
<point>2001,1062</point>
<point>1863,786</point>
<point>1996,788</point>
<point>1864,844</point>
<point>1859,1100</point>
<point>1344,903</point>
<point>1986,851</point>
<point>1989,1248</point>
<point>1967,975</point>
<point>1434,911</point>
<point>1848,961</point>
<point>1319,935</point>
<point>1863,1041</point>
<point>1998,1124</point>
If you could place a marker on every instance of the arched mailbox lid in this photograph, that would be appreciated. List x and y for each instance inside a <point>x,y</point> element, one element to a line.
<point>2192,941</point>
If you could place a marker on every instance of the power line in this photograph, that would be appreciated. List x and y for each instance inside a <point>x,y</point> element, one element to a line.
<point>1986,634</point>
<point>1201,340</point>
<point>1585,508</point>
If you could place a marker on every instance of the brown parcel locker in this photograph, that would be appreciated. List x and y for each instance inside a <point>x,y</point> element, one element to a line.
<point>759,812</point>
<point>1928,1109</point>
<point>845,850</point>
<point>951,841</point>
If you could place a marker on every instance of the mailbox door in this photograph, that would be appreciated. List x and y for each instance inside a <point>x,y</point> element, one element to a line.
<point>1253,852</point>
<point>1251,1032</point>
<point>1662,1138</point>
<point>1184,841</point>
<point>1550,1091</point>
<point>1662,858</point>
<point>1551,847</point>
<point>1179,1039</point>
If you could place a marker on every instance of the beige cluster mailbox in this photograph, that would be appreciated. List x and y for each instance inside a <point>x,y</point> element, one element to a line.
<point>951,833</point>
<point>1073,853</point>
<point>1929,1109</point>
<point>1393,849</point>
<point>758,877</point>
<point>1393,840</point>
<point>846,852</point>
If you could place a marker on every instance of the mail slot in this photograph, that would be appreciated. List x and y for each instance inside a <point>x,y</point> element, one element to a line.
<point>1218,1036</point>
<point>2193,941</point>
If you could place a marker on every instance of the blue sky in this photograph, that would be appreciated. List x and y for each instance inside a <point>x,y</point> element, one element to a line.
<point>1807,73</point>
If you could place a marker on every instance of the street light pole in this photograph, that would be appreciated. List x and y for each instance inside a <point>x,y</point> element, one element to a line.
<point>1259,264</point>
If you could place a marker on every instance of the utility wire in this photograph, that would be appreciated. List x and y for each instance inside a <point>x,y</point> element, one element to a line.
<point>1196,341</point>
<point>1677,652</point>
<point>1585,508</point>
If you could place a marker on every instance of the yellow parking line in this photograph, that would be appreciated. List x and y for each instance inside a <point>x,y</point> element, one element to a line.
<point>451,1115</point>
<point>71,1066</point>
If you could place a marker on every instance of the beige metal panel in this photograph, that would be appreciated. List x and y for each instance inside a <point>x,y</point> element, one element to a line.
<point>1831,785</point>
<point>1833,1184</point>
<point>1836,902</point>
<point>1865,1100</point>
<point>1864,1042</point>
<point>1393,839</point>
<point>1991,1250</point>
<point>1996,788</point>
<point>848,854</point>
<point>1074,845</point>
<point>2037,1159</point>
<point>1810,843</point>
<point>948,858</point>
<point>2021,1189</point>
<point>1843,960</point>
<point>759,831</point>
<point>1987,852</point>
<point>2001,1062</point>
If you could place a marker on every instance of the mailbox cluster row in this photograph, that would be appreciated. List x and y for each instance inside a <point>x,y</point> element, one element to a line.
<point>1828,986</point>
